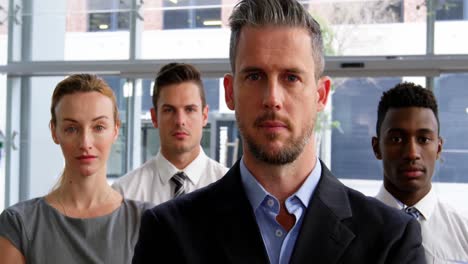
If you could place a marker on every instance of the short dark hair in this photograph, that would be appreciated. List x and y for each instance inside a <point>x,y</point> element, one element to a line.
<point>175,73</point>
<point>406,94</point>
<point>278,13</point>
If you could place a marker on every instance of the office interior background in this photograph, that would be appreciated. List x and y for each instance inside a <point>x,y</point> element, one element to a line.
<point>370,45</point>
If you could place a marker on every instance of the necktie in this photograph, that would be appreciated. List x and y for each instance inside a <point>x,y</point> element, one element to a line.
<point>178,179</point>
<point>413,212</point>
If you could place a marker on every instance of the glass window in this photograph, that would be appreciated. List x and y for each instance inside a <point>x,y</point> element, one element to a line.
<point>185,29</point>
<point>352,28</point>
<point>451,20</point>
<point>371,27</point>
<point>105,15</point>
<point>74,30</point>
<point>116,165</point>
<point>3,31</point>
<point>183,14</point>
<point>451,177</point>
<point>452,97</point>
<point>450,10</point>
<point>354,107</point>
<point>97,30</point>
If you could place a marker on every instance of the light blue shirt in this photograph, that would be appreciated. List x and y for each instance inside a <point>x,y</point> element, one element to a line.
<point>279,244</point>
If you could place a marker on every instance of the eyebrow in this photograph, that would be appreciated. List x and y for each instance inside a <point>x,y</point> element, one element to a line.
<point>94,119</point>
<point>257,69</point>
<point>400,130</point>
<point>172,106</point>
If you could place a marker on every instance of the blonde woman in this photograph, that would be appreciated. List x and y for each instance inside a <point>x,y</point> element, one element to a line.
<point>83,220</point>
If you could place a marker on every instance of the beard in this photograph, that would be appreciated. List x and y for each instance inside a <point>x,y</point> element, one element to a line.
<point>288,153</point>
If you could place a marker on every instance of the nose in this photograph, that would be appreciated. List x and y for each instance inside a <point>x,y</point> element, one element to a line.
<point>272,97</point>
<point>180,118</point>
<point>412,151</point>
<point>86,140</point>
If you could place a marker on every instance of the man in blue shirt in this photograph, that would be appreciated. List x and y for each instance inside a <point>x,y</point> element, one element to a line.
<point>278,203</point>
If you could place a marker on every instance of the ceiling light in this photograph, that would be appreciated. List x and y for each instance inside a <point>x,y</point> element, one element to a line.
<point>212,23</point>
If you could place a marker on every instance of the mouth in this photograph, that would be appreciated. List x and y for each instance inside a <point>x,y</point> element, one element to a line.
<point>180,134</point>
<point>272,125</point>
<point>86,158</point>
<point>412,172</point>
<point>270,122</point>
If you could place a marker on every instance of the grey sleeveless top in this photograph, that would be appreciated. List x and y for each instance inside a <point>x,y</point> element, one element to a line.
<point>44,235</point>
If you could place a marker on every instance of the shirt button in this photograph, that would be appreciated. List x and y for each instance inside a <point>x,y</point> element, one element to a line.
<point>279,233</point>
<point>270,202</point>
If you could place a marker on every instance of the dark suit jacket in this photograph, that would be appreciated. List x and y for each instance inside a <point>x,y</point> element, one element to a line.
<point>216,224</point>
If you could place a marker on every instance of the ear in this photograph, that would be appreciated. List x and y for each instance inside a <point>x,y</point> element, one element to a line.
<point>54,133</point>
<point>154,117</point>
<point>323,90</point>
<point>376,148</point>
<point>439,146</point>
<point>205,112</point>
<point>229,91</point>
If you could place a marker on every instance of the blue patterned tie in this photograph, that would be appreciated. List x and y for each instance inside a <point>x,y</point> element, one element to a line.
<point>178,179</point>
<point>413,212</point>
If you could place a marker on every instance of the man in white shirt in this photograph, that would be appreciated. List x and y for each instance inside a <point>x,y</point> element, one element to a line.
<point>408,143</point>
<point>180,112</point>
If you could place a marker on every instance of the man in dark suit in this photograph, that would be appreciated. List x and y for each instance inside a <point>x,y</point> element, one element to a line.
<point>279,203</point>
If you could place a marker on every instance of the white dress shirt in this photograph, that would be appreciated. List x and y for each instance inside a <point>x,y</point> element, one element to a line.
<point>151,182</point>
<point>444,231</point>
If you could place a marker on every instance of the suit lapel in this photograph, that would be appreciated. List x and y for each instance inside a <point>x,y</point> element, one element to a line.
<point>323,237</point>
<point>236,228</point>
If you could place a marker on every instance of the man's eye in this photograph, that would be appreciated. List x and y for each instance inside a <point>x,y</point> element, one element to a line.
<point>253,77</point>
<point>396,139</point>
<point>424,140</point>
<point>292,78</point>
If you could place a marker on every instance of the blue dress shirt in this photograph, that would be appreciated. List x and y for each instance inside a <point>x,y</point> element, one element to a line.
<point>278,242</point>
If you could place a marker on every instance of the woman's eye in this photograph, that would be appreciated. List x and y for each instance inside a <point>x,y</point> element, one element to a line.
<point>71,129</point>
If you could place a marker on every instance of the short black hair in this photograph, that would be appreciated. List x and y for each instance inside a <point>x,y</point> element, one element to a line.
<point>406,94</point>
<point>175,73</point>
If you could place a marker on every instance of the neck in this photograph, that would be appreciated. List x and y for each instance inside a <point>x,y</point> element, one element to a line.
<point>83,191</point>
<point>282,180</point>
<point>181,160</point>
<point>409,198</point>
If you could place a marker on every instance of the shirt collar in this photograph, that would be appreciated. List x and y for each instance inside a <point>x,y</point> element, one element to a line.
<point>425,206</point>
<point>193,171</point>
<point>256,193</point>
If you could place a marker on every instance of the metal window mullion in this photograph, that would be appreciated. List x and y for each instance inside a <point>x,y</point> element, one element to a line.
<point>430,36</point>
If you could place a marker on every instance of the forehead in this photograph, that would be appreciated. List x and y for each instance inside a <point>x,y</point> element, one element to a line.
<point>274,46</point>
<point>185,93</point>
<point>83,106</point>
<point>410,119</point>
